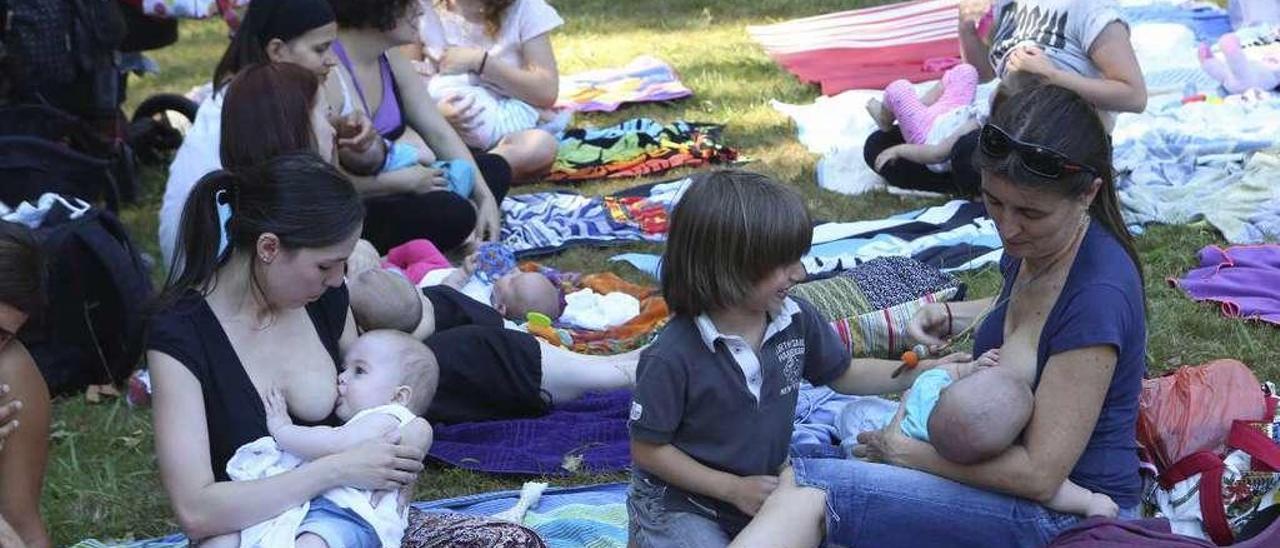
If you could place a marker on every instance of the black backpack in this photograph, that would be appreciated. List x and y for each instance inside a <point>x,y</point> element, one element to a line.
<point>91,330</point>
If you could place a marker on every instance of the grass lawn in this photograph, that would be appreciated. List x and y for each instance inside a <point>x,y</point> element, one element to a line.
<point>102,480</point>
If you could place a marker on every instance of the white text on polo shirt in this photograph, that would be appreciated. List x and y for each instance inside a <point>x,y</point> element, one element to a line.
<point>790,355</point>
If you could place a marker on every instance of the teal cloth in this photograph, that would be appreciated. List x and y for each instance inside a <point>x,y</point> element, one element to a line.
<point>920,401</point>
<point>400,156</point>
<point>459,174</point>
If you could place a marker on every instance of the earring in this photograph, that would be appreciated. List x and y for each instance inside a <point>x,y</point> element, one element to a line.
<point>265,259</point>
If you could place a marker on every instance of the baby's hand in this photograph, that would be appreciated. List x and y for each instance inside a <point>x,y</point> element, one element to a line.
<point>959,370</point>
<point>470,264</point>
<point>1101,505</point>
<point>277,411</point>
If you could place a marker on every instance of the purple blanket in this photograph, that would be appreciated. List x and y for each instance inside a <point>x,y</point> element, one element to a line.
<point>1244,279</point>
<point>587,435</point>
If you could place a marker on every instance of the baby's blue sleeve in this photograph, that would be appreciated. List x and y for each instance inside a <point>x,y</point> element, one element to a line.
<point>921,400</point>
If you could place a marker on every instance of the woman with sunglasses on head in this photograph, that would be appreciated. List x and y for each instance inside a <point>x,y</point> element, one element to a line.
<point>1080,45</point>
<point>1070,317</point>
<point>24,398</point>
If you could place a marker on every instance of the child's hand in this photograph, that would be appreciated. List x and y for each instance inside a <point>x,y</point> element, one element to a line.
<point>1031,59</point>
<point>890,154</point>
<point>749,492</point>
<point>1101,505</point>
<point>277,411</point>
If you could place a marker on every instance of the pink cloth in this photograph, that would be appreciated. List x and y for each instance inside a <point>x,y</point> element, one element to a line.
<point>915,118</point>
<point>416,258</point>
<point>1244,279</point>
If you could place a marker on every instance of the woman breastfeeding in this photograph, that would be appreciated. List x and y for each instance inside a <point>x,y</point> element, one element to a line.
<point>257,303</point>
<point>375,78</point>
<point>1070,320</point>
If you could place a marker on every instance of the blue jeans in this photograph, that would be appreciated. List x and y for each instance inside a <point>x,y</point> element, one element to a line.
<point>885,506</point>
<point>652,524</point>
<point>339,527</point>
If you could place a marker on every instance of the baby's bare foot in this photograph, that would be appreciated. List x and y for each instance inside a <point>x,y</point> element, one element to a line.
<point>881,115</point>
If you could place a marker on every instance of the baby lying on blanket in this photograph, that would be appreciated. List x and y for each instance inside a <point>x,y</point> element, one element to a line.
<point>971,412</point>
<point>388,380</point>
<point>514,294</point>
<point>931,125</point>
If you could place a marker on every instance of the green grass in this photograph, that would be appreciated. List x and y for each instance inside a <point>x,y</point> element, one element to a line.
<point>102,479</point>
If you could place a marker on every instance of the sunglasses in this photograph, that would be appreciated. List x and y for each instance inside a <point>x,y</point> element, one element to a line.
<point>1039,160</point>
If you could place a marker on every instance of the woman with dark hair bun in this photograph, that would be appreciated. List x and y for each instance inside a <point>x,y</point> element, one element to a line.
<point>258,303</point>
<point>1071,319</point>
<point>24,398</point>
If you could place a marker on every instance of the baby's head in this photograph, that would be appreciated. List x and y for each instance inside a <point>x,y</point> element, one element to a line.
<point>384,367</point>
<point>1013,82</point>
<point>382,299</point>
<point>980,415</point>
<point>517,294</point>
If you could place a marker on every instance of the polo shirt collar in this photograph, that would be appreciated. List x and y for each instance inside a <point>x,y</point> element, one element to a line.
<point>710,334</point>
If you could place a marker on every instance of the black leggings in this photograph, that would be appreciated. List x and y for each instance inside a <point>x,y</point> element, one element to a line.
<point>963,179</point>
<point>443,217</point>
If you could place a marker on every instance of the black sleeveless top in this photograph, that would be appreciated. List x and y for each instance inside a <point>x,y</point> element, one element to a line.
<point>189,332</point>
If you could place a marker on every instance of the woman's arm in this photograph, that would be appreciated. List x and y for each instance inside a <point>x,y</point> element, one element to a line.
<point>973,47</point>
<point>421,114</point>
<point>205,507</point>
<point>1121,87</point>
<point>537,82</point>
<point>1067,404</point>
<point>25,452</point>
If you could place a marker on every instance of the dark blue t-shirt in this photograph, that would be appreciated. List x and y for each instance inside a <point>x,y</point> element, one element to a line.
<point>1101,304</point>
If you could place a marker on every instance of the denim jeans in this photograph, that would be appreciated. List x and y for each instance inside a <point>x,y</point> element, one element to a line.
<point>652,523</point>
<point>885,506</point>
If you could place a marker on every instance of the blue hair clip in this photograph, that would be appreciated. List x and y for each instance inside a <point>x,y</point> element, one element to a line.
<point>224,215</point>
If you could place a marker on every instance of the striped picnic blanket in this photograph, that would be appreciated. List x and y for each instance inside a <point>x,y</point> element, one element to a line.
<point>866,48</point>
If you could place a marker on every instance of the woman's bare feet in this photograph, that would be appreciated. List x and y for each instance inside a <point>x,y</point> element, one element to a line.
<point>883,117</point>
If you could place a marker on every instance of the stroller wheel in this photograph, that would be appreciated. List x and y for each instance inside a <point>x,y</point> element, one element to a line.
<point>154,131</point>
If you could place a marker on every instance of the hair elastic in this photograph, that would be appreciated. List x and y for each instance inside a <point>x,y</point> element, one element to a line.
<point>223,207</point>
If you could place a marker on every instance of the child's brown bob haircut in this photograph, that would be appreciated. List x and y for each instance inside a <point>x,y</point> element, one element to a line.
<point>729,231</point>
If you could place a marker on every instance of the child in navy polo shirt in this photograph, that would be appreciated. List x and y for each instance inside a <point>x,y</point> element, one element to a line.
<point>716,392</point>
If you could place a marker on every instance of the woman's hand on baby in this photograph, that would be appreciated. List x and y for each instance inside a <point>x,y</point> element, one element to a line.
<point>8,415</point>
<point>384,464</point>
<point>891,154</point>
<point>461,60</point>
<point>749,492</point>
<point>461,111</point>
<point>886,445</point>
<point>1030,59</point>
<point>277,411</point>
<point>488,221</point>
<point>470,264</point>
<point>434,179</point>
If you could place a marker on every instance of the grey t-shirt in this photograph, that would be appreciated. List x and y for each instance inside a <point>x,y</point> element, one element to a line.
<point>1064,29</point>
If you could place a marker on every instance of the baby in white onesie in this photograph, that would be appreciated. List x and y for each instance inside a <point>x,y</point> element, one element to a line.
<point>388,381</point>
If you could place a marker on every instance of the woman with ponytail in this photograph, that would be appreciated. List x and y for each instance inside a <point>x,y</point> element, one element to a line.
<point>257,303</point>
<point>1071,319</point>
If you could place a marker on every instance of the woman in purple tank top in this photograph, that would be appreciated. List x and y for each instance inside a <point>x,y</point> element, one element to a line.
<point>374,78</point>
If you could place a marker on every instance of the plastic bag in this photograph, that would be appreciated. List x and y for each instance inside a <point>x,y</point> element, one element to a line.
<point>1191,409</point>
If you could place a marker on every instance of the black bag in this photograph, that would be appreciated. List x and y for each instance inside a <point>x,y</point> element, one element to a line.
<point>68,49</point>
<point>91,331</point>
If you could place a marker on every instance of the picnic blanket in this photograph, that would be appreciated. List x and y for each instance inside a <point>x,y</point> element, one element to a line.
<point>592,516</point>
<point>952,237</point>
<point>630,335</point>
<point>585,435</point>
<point>1243,280</point>
<point>1178,163</point>
<point>565,517</point>
<point>644,79</point>
<point>868,47</point>
<point>637,147</point>
<point>542,223</point>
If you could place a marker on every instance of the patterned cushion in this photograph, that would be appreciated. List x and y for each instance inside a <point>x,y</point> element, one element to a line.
<point>870,305</point>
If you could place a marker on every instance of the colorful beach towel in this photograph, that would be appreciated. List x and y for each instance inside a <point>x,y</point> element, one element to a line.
<point>644,79</point>
<point>541,223</point>
<point>592,516</point>
<point>585,435</point>
<point>636,148</point>
<point>866,48</point>
<point>1243,280</point>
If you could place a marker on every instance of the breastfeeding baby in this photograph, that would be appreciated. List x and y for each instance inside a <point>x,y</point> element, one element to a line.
<point>972,412</point>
